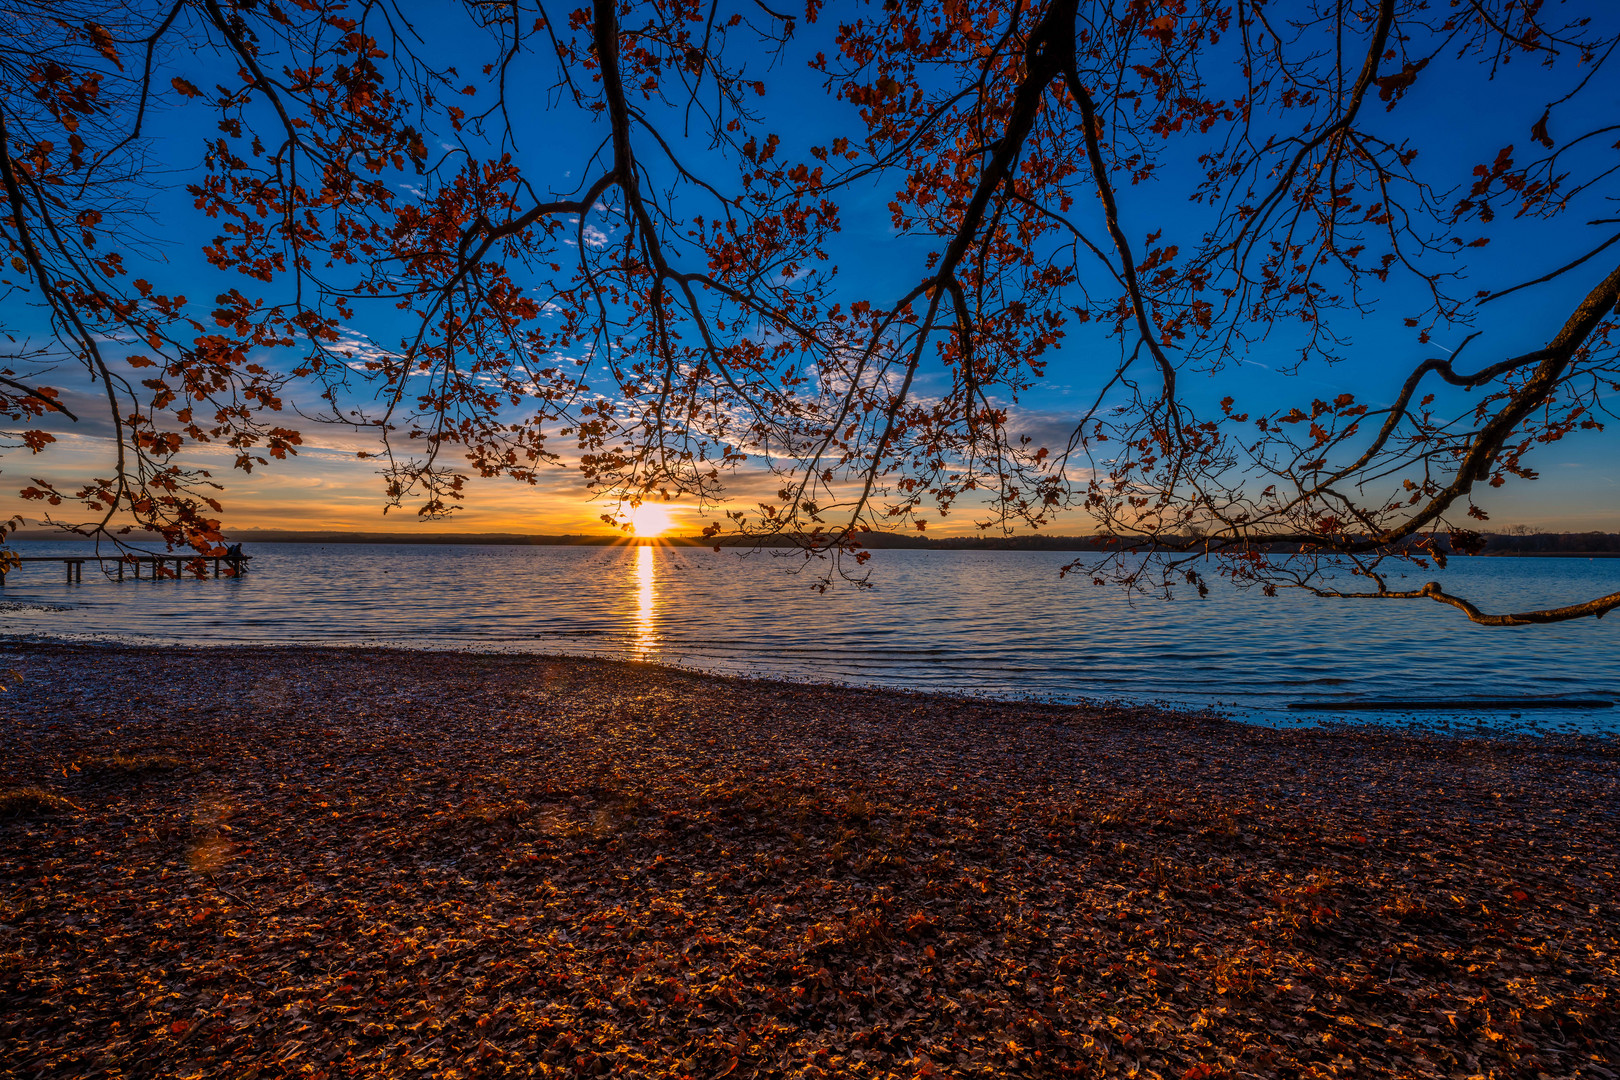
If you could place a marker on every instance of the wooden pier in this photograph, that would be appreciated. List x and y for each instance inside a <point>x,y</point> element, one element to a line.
<point>157,565</point>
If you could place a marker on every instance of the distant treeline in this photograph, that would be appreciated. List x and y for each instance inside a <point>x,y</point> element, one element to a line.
<point>1583,543</point>
<point>1038,542</point>
<point>279,536</point>
<point>1586,543</point>
<point>1532,543</point>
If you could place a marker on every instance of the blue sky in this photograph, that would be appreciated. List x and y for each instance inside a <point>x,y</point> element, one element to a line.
<point>327,487</point>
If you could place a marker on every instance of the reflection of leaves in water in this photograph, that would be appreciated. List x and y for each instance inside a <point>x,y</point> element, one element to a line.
<point>33,605</point>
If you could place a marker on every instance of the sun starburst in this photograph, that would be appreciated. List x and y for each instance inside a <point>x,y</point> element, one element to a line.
<point>649,519</point>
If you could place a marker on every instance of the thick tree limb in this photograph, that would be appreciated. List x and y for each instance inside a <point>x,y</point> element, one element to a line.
<point>1590,609</point>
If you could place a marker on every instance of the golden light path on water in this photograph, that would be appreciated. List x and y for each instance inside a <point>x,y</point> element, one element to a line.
<point>645,597</point>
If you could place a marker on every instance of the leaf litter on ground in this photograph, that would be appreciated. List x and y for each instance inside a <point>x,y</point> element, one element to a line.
<point>332,863</point>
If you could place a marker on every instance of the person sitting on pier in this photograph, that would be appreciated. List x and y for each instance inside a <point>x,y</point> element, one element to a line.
<point>234,551</point>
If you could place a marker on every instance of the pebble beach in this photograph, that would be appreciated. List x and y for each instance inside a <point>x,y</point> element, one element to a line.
<point>348,862</point>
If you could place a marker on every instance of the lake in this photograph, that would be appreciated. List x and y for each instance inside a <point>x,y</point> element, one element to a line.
<point>990,622</point>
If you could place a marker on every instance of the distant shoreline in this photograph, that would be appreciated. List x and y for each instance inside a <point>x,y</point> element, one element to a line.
<point>1593,545</point>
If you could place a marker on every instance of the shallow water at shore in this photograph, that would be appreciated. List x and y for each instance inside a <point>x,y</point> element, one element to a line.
<point>991,622</point>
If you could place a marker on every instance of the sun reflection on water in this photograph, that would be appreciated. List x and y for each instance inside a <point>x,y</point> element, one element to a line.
<point>645,597</point>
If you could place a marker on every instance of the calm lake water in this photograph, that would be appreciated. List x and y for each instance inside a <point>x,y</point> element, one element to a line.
<point>991,622</point>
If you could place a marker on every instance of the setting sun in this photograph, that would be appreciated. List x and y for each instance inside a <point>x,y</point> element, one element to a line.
<point>649,519</point>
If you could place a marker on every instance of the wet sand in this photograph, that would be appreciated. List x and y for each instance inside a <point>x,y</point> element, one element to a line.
<point>268,862</point>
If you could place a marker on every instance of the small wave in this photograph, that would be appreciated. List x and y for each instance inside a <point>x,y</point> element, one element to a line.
<point>33,605</point>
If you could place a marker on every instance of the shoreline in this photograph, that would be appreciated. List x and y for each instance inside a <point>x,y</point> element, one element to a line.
<point>378,862</point>
<point>1416,721</point>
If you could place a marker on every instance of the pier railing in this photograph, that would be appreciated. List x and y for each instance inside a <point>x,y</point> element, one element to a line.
<point>157,565</point>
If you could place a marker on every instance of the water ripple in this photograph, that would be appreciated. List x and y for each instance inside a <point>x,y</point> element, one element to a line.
<point>988,622</point>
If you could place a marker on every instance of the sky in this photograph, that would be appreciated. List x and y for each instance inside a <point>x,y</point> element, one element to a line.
<point>327,487</point>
